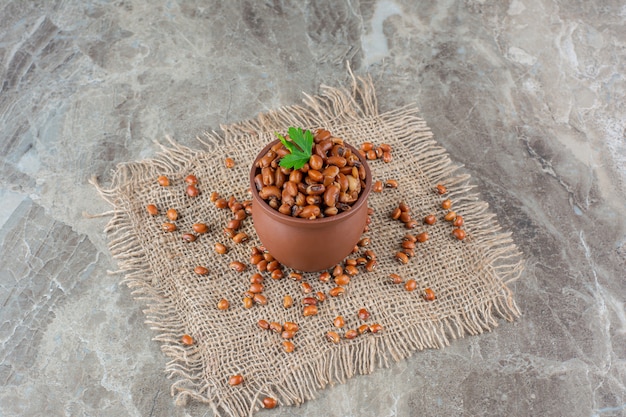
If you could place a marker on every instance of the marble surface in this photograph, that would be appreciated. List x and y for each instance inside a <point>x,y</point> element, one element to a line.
<point>529,95</point>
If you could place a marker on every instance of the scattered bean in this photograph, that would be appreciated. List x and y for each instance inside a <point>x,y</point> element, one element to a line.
<point>192,190</point>
<point>269,402</point>
<point>376,328</point>
<point>458,222</point>
<point>377,187</point>
<point>332,337</point>
<point>287,301</point>
<point>364,328</point>
<point>188,237</point>
<point>229,162</point>
<point>446,204</point>
<point>237,266</point>
<point>152,209</point>
<point>163,181</point>
<point>223,304</point>
<point>391,184</point>
<point>247,302</point>
<point>402,257</point>
<point>240,237</point>
<point>337,291</point>
<point>396,279</point>
<point>450,216</point>
<point>235,380</point>
<point>410,285</point>
<point>200,270</point>
<point>291,326</point>
<point>350,334</point>
<point>191,179</point>
<point>260,299</point>
<point>187,340</point>
<point>363,314</point>
<point>220,248</point>
<point>422,237</point>
<point>342,279</point>
<point>458,233</point>
<point>430,219</point>
<point>339,322</point>
<point>263,324</point>
<point>441,189</point>
<point>288,346</point>
<point>168,227</point>
<point>276,327</point>
<point>309,310</point>
<point>429,295</point>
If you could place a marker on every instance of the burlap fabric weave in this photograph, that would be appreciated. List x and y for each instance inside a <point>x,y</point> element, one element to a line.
<point>469,276</point>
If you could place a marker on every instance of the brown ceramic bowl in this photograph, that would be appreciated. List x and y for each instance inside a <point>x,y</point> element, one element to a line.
<point>309,245</point>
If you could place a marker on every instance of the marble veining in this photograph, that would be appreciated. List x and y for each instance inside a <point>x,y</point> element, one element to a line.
<point>527,95</point>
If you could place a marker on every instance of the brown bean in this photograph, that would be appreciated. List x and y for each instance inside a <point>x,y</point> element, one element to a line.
<point>192,190</point>
<point>188,237</point>
<point>309,311</point>
<point>235,380</point>
<point>371,155</point>
<point>422,237</point>
<point>440,189</point>
<point>410,252</point>
<point>221,203</point>
<point>446,204</point>
<point>286,334</point>
<point>152,209</point>
<point>405,217</point>
<point>396,213</point>
<point>363,314</point>
<point>200,228</point>
<point>337,291</point>
<point>310,212</point>
<point>191,179</point>
<point>256,279</point>
<point>267,174</point>
<point>387,157</point>
<point>287,301</point>
<point>364,328</point>
<point>371,265</point>
<point>402,257</point>
<point>163,181</point>
<point>223,304</point>
<point>410,285</point>
<point>377,187</point>
<point>295,176</point>
<point>331,195</point>
<point>276,327</point>
<point>255,288</point>
<point>309,301</point>
<point>429,295</point>
<point>339,322</point>
<point>321,297</point>
<point>370,254</point>
<point>342,280</point>
<point>407,244</point>
<point>290,326</point>
<point>240,237</point>
<point>430,219</point>
<point>376,328</point>
<point>409,238</point>
<point>459,234</point>
<point>351,270</point>
<point>260,299</point>
<point>168,227</point>
<point>325,276</point>
<point>458,222</point>
<point>391,184</point>
<point>350,334</point>
<point>247,302</point>
<point>332,337</point>
<point>269,403</point>
<point>263,324</point>
<point>229,162</point>
<point>200,270</point>
<point>269,191</point>
<point>315,189</point>
<point>288,346</point>
<point>237,266</point>
<point>396,279</point>
<point>450,216</point>
<point>361,261</point>
<point>306,287</point>
<point>337,161</point>
<point>411,224</point>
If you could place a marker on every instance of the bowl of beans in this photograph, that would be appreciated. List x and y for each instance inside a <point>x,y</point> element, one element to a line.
<point>310,218</point>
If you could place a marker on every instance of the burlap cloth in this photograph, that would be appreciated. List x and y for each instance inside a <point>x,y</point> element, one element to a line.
<point>469,277</point>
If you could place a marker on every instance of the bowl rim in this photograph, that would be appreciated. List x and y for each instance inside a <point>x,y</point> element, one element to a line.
<point>307,222</point>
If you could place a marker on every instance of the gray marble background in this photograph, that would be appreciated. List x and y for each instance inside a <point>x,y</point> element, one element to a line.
<point>529,95</point>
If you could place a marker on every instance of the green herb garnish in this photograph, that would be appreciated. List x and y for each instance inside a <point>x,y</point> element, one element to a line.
<point>300,146</point>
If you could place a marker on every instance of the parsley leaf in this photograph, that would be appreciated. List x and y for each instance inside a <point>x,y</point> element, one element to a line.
<point>300,147</point>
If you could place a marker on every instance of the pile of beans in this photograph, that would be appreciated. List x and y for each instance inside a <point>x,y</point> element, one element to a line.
<point>330,183</point>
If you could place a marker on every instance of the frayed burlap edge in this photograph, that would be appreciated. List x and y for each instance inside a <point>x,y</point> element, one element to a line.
<point>339,106</point>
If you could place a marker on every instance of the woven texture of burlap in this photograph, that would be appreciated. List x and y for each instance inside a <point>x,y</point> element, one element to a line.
<point>469,277</point>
